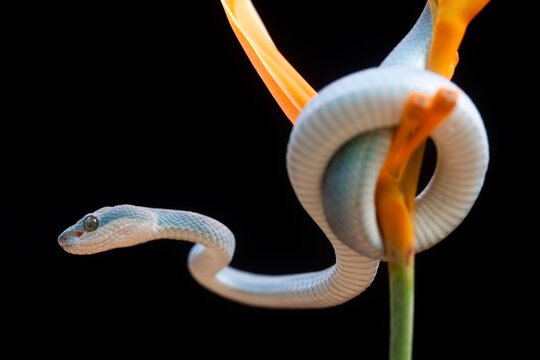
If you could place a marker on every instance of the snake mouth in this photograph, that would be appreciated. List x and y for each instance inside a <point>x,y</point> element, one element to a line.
<point>70,238</point>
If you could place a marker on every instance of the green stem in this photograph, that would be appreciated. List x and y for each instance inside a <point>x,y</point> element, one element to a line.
<point>401,278</point>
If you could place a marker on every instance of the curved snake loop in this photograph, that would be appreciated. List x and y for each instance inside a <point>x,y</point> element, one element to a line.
<point>335,152</point>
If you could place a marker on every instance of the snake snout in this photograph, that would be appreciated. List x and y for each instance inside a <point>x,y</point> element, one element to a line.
<point>69,238</point>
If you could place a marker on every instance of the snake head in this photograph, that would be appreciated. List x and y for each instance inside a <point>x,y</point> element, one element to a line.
<point>107,228</point>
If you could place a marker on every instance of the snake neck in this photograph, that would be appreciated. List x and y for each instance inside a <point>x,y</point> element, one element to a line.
<point>412,51</point>
<point>208,263</point>
<point>211,235</point>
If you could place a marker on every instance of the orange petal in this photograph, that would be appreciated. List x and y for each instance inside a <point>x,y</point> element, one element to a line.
<point>450,18</point>
<point>398,178</point>
<point>289,89</point>
<point>421,115</point>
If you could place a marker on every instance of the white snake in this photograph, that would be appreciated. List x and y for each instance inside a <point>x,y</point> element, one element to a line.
<point>335,152</point>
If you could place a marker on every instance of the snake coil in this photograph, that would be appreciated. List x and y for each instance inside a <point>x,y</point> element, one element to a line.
<point>335,152</point>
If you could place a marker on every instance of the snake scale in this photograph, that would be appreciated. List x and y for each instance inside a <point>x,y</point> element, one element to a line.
<point>334,155</point>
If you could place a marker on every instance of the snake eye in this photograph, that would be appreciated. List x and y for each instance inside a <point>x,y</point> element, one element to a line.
<point>91,223</point>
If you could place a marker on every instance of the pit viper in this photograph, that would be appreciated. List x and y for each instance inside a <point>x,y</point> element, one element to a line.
<point>335,152</point>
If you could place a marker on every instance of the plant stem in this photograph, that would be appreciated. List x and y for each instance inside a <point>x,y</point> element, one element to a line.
<point>401,277</point>
<point>395,206</point>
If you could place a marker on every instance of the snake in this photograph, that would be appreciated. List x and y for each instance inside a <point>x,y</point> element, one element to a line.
<point>335,152</point>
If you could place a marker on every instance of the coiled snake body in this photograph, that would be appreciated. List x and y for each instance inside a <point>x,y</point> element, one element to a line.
<point>335,152</point>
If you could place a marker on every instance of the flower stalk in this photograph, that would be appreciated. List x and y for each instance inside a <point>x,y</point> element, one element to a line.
<point>401,278</point>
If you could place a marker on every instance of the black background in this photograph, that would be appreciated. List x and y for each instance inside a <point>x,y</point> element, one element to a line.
<point>157,105</point>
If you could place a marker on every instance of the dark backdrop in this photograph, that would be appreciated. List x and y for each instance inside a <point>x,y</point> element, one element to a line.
<point>157,105</point>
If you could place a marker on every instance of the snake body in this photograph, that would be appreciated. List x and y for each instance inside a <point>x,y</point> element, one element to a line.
<point>335,152</point>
